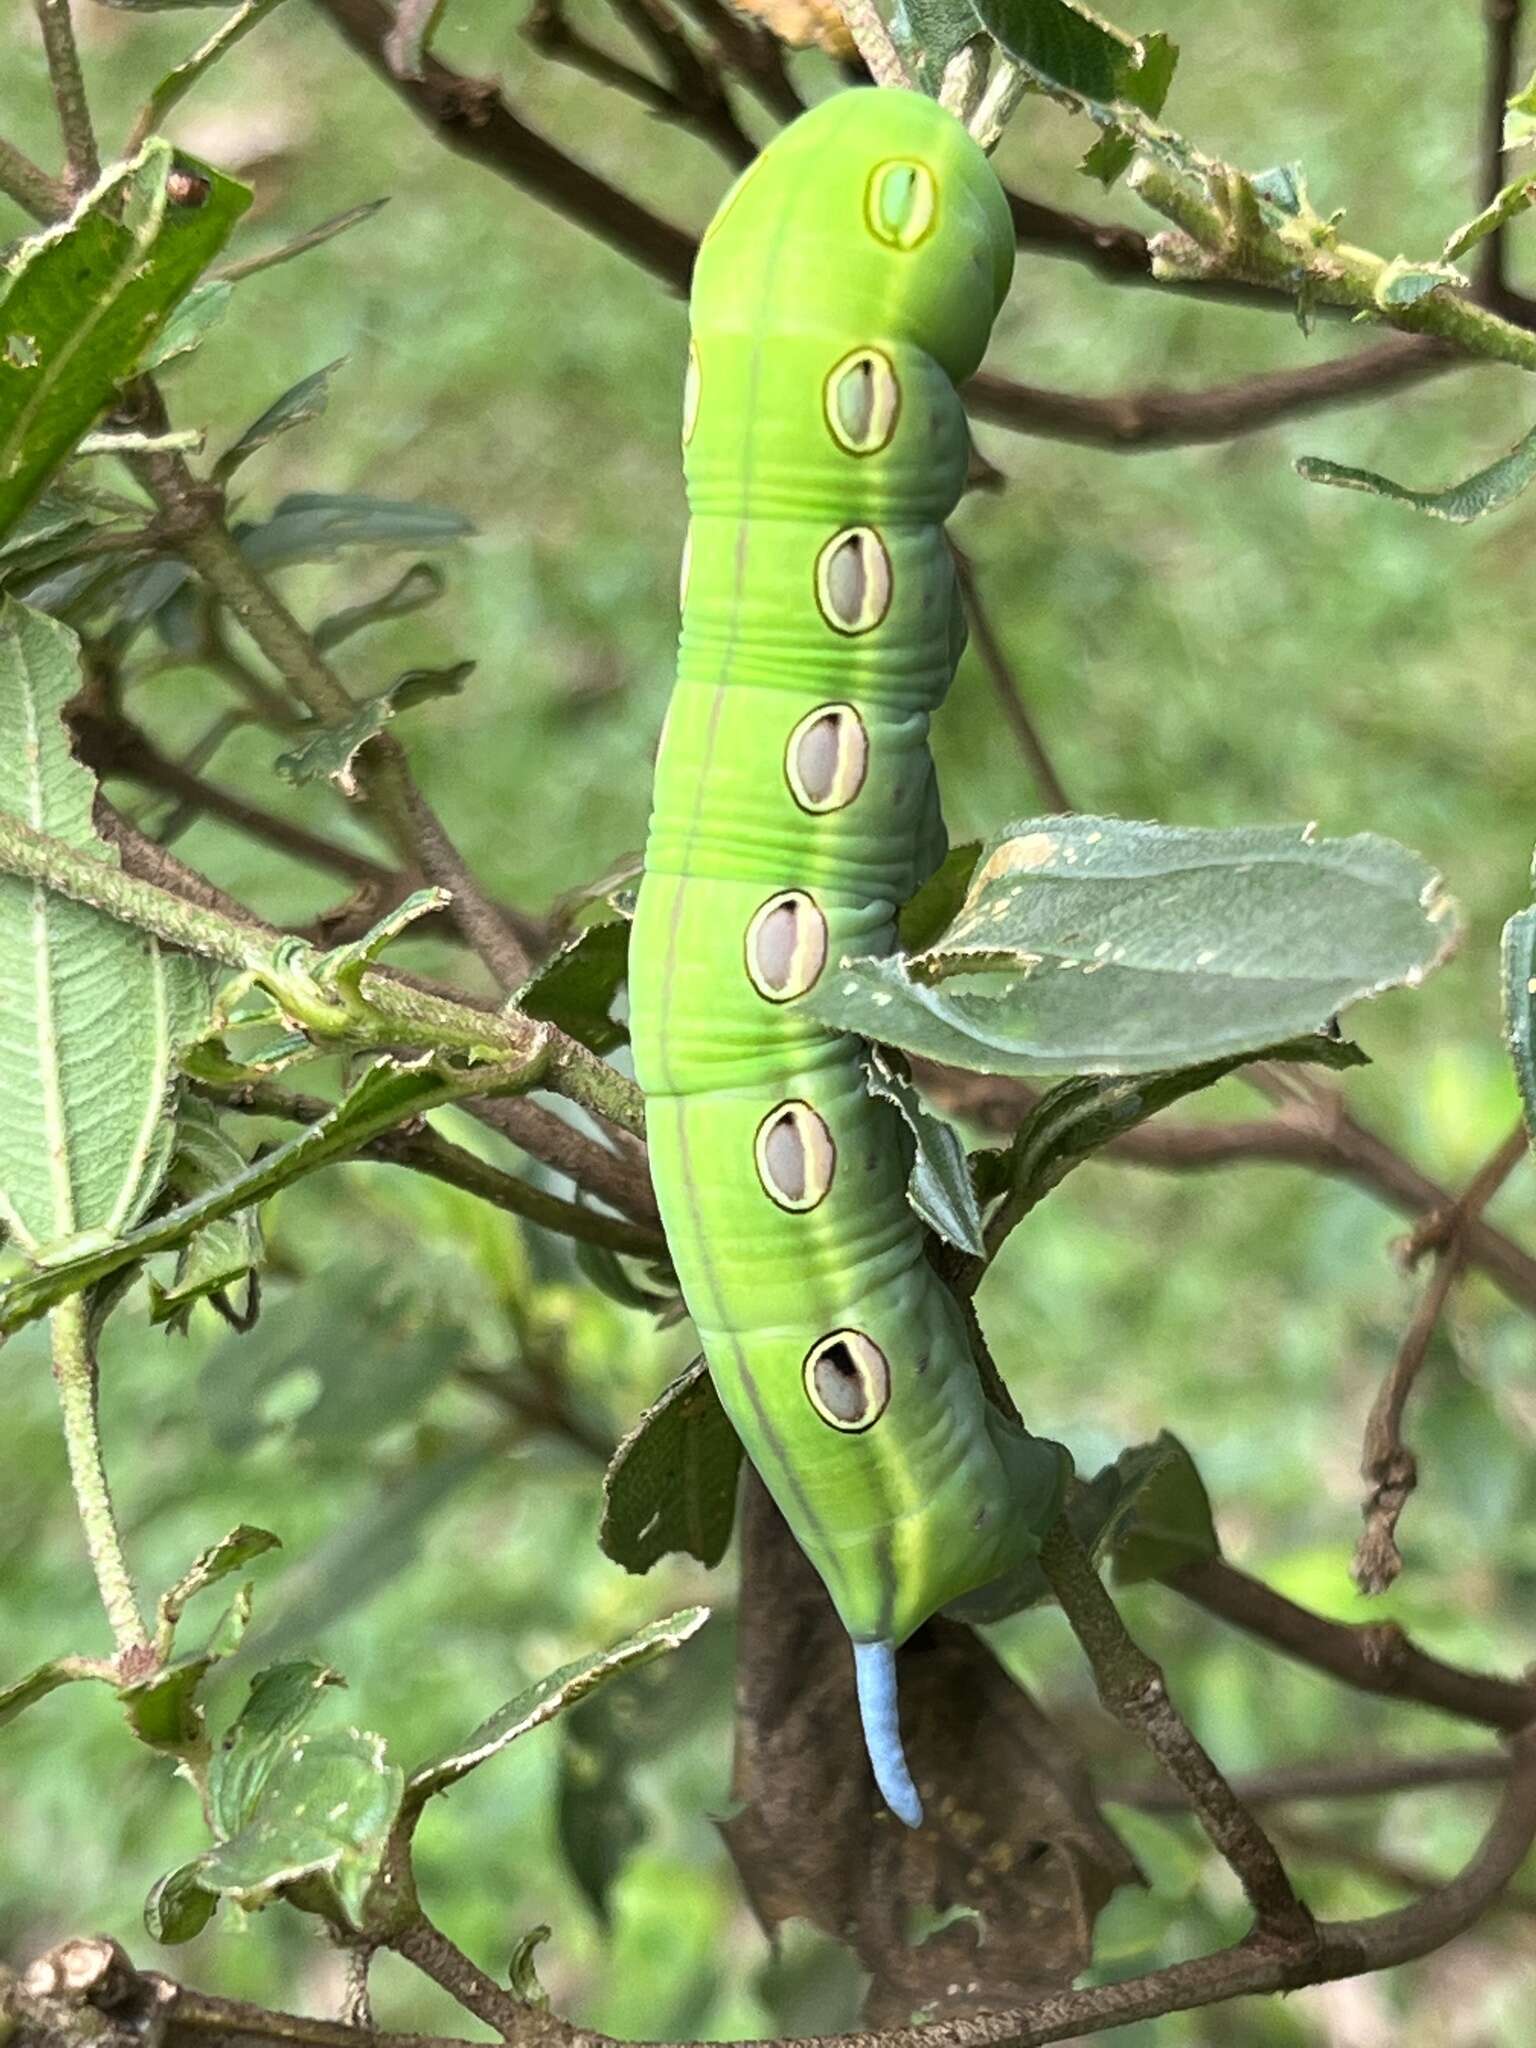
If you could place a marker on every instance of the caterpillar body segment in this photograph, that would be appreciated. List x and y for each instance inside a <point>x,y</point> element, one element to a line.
<point>848,283</point>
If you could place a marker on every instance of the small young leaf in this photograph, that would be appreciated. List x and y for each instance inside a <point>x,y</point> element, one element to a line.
<point>1505,206</point>
<point>281,1700</point>
<point>551,1696</point>
<point>81,303</point>
<point>523,1972</point>
<point>1099,945</point>
<point>1404,284</point>
<point>163,1709</point>
<point>1520,117</point>
<point>191,323</point>
<point>95,1012</point>
<point>926,914</point>
<point>332,749</point>
<point>228,1555</point>
<point>422,584</point>
<point>224,1253</point>
<point>1169,1520</point>
<point>301,403</point>
<point>578,987</point>
<point>47,1678</point>
<point>1519,978</point>
<point>939,1185</point>
<point>671,1484</point>
<point>1489,490</point>
<point>178,1908</point>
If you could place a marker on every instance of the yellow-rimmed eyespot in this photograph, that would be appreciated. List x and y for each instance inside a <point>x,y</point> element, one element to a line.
<point>848,1380</point>
<point>827,758</point>
<point>901,203</point>
<point>786,946</point>
<point>853,580</point>
<point>862,399</point>
<point>795,1156</point>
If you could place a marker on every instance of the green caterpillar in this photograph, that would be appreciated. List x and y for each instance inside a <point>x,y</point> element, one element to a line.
<point>846,286</point>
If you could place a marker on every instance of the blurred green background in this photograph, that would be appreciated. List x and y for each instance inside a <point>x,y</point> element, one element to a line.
<point>1203,639</point>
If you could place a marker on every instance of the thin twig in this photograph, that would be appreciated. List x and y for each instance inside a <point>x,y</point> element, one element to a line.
<point>752,52</point>
<point>30,185</point>
<point>1374,1657</point>
<point>75,1375</point>
<point>1290,1783</point>
<point>177,83</point>
<point>622,1182</point>
<point>1132,1688</point>
<point>995,661</point>
<point>447,1966</point>
<point>874,43</point>
<point>82,164</point>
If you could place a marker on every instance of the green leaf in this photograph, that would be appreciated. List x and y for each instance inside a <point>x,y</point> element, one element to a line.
<point>95,1012</point>
<point>325,1809</point>
<point>300,245</point>
<point>1520,117</point>
<point>191,323</point>
<point>388,1094</point>
<point>331,750</point>
<point>343,966</point>
<point>422,584</point>
<point>1078,1117</point>
<point>928,33</point>
<point>281,1701</point>
<point>1097,945</point>
<point>314,526</point>
<point>229,1554</point>
<point>299,404</point>
<point>178,1908</point>
<point>47,1678</point>
<point>671,1484</point>
<point>1146,88</point>
<point>1168,1522</point>
<point>1513,200</point>
<point>1519,979</point>
<point>163,1709</point>
<point>1490,490</point>
<point>224,1254</point>
<point>1405,284</point>
<point>81,303</point>
<point>523,1971</point>
<point>926,914</point>
<point>939,1184</point>
<point>550,1697</point>
<point>1063,45</point>
<point>578,987</point>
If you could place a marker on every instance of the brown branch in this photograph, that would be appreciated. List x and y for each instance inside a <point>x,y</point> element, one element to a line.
<point>471,117</point>
<point>1132,1688</point>
<point>1318,1133</point>
<point>30,186</point>
<point>447,1966</point>
<point>1292,1782</point>
<point>1154,418</point>
<point>82,163</point>
<point>425,1150</point>
<point>111,2006</point>
<point>749,50</point>
<point>1374,1657</point>
<point>622,1182</point>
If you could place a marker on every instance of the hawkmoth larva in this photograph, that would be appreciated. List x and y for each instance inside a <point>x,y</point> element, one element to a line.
<point>847,285</point>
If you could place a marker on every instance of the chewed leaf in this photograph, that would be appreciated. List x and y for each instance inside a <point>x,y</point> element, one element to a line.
<point>671,1484</point>
<point>1514,199</point>
<point>1404,284</point>
<point>95,1012</point>
<point>577,988</point>
<point>282,1699</point>
<point>1168,1521</point>
<point>939,1185</point>
<point>1067,47</point>
<point>223,1255</point>
<point>229,1554</point>
<point>1101,946</point>
<point>332,750</point>
<point>551,1696</point>
<point>422,584</point>
<point>82,303</point>
<point>1490,490</point>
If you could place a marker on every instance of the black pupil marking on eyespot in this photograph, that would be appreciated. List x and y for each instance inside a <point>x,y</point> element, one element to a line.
<point>840,1383</point>
<point>784,1157</point>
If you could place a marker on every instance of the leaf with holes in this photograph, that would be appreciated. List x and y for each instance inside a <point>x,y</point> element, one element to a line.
<point>578,987</point>
<point>82,303</point>
<point>550,1697</point>
<point>671,1484</point>
<point>1489,490</point>
<point>1099,945</point>
<point>298,405</point>
<point>224,1254</point>
<point>95,1012</point>
<point>939,1183</point>
<point>332,750</point>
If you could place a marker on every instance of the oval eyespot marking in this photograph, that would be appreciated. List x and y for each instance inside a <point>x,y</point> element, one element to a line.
<point>691,389</point>
<point>796,1157</point>
<point>853,580</point>
<point>685,568</point>
<point>827,758</point>
<point>848,1380</point>
<point>901,203</point>
<point>786,946</point>
<point>861,399</point>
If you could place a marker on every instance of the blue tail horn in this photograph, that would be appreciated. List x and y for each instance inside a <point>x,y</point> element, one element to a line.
<point>874,1666</point>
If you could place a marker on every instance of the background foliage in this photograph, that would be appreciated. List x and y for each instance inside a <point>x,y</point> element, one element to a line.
<point>1204,639</point>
